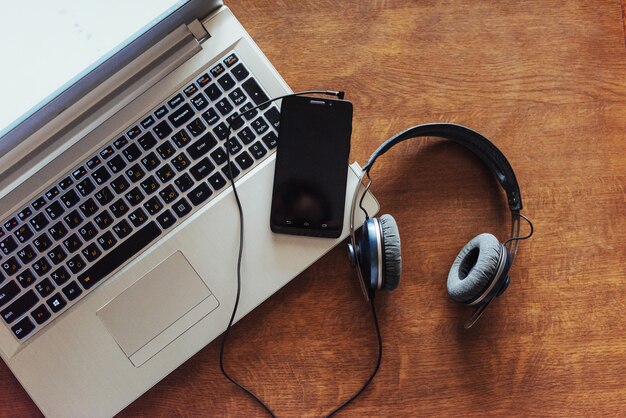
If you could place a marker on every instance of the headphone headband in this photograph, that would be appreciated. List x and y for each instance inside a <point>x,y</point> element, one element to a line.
<point>478,144</point>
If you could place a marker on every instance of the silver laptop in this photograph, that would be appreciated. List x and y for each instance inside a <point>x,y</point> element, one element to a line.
<point>118,228</point>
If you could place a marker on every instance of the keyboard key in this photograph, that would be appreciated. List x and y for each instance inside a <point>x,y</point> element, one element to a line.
<point>104,196</point>
<point>234,146</point>
<point>24,214</point>
<point>116,164</point>
<point>57,255</point>
<point>258,150</point>
<point>52,193</point>
<point>134,197</point>
<point>180,162</point>
<point>226,82</point>
<point>176,101</point>
<point>67,182</point>
<point>25,278</point>
<point>72,291</point>
<point>217,181</point>
<point>120,185</point>
<point>42,243</point>
<point>39,222</point>
<point>135,173</point>
<point>11,223</point>
<point>118,256</point>
<point>23,327</point>
<point>244,160</point>
<point>235,121</point>
<point>168,194</point>
<point>181,139</point>
<point>221,131</point>
<point>133,132</point>
<point>76,264</point>
<point>56,303</point>
<point>162,130</point>
<point>240,72</point>
<point>147,141</point>
<point>41,314</point>
<point>166,219</point>
<point>39,203</point>
<point>161,111</point>
<point>254,91</point>
<point>101,175</point>
<point>260,126</point>
<point>73,219</point>
<point>103,220</point>
<point>60,276</point>
<point>150,161</point>
<point>196,127</point>
<point>203,80</point>
<point>11,266</point>
<point>122,229</point>
<point>54,210</point>
<point>57,231</point>
<point>181,116</point>
<point>119,208</point>
<point>182,207</point>
<point>237,96</point>
<point>166,173</point>
<point>224,106</point>
<point>231,60</point>
<point>190,90</point>
<point>213,92</point>
<point>200,194</point>
<point>41,267</point>
<point>247,113</point>
<point>147,122</point>
<point>199,101</point>
<point>23,233</point>
<point>20,306</point>
<point>202,169</point>
<point>273,116</point>
<point>271,140</point>
<point>210,116</point>
<point>153,205</point>
<point>149,185</point>
<point>219,156</point>
<point>85,187</point>
<point>107,152</point>
<point>79,173</point>
<point>202,146</point>
<point>44,288</point>
<point>217,70</point>
<point>8,292</point>
<point>89,207</point>
<point>26,254</point>
<point>184,183</point>
<point>8,245</point>
<point>234,169</point>
<point>166,150</point>
<point>70,198</point>
<point>72,243</point>
<point>88,231</point>
<point>120,142</point>
<point>132,152</point>
<point>138,217</point>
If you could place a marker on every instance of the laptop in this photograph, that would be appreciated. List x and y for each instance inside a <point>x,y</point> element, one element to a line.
<point>118,227</point>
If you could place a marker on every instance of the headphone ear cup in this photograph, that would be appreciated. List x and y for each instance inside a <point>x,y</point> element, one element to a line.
<point>392,254</point>
<point>474,268</point>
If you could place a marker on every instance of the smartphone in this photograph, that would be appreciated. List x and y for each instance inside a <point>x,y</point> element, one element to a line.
<point>311,167</point>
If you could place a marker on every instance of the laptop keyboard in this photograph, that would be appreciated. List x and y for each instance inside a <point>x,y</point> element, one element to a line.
<point>142,184</point>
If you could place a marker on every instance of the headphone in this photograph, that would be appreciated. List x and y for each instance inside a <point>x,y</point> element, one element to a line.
<point>481,270</point>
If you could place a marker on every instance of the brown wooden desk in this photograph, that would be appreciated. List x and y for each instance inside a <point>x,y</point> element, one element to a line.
<point>545,80</point>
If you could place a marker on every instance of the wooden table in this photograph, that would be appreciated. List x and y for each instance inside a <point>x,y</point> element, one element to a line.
<point>545,80</point>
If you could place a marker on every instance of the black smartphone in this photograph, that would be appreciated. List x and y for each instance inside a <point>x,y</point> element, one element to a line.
<point>311,166</point>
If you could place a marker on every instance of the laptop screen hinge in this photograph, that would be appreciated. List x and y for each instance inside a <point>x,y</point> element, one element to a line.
<point>198,31</point>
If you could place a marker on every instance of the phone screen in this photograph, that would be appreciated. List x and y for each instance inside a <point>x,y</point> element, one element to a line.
<point>311,167</point>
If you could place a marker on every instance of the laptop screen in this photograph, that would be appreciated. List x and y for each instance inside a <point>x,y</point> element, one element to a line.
<point>52,44</point>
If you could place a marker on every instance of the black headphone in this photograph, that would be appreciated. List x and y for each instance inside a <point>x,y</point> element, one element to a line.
<point>480,271</point>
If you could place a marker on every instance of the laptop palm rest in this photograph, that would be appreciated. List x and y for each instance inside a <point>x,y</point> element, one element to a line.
<point>157,308</point>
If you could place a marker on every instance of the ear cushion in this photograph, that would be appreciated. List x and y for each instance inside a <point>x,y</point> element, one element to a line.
<point>391,252</point>
<point>474,268</point>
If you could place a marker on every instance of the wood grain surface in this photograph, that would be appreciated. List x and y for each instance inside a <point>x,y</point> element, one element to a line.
<point>545,80</point>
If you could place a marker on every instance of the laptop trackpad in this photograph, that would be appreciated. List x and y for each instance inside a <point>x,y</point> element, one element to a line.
<point>157,308</point>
